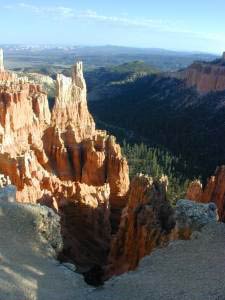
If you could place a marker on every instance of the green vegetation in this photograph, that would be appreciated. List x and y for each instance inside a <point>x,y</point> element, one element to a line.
<point>104,82</point>
<point>96,57</point>
<point>162,112</point>
<point>133,67</point>
<point>156,162</point>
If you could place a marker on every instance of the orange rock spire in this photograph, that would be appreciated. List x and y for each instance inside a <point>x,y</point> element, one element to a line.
<point>58,158</point>
<point>1,61</point>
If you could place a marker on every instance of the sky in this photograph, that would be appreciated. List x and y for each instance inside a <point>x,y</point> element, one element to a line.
<point>193,25</point>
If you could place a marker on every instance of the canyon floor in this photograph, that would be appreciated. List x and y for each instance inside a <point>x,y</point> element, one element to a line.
<point>29,269</point>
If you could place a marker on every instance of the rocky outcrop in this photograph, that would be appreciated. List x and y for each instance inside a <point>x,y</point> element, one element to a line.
<point>194,190</point>
<point>1,61</point>
<point>205,77</point>
<point>30,240</point>
<point>8,193</point>
<point>214,191</point>
<point>59,159</point>
<point>28,266</point>
<point>147,222</point>
<point>191,217</point>
<point>188,269</point>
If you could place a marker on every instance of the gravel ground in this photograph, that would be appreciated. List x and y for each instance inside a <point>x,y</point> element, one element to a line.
<point>185,270</point>
<point>29,240</point>
<point>28,269</point>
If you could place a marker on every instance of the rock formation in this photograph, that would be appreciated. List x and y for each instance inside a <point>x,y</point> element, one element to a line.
<point>214,191</point>
<point>149,222</point>
<point>1,61</point>
<point>29,270</point>
<point>30,240</point>
<point>194,190</point>
<point>146,223</point>
<point>205,77</point>
<point>59,159</point>
<point>192,269</point>
<point>191,217</point>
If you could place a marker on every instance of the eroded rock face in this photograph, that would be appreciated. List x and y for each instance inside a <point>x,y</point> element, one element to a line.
<point>205,77</point>
<point>214,191</point>
<point>194,191</point>
<point>147,222</point>
<point>1,61</point>
<point>59,159</point>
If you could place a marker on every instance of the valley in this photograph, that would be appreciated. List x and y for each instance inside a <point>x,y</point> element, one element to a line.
<point>112,195</point>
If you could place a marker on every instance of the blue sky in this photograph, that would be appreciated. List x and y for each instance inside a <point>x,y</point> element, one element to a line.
<point>193,25</point>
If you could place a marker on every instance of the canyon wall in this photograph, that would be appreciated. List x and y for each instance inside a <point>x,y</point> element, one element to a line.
<point>58,158</point>
<point>205,77</point>
<point>147,222</point>
<point>1,61</point>
<point>214,191</point>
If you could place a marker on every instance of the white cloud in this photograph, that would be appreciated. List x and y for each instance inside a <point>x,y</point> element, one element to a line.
<point>67,12</point>
<point>54,11</point>
<point>62,12</point>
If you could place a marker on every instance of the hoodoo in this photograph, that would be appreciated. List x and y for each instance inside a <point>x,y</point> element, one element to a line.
<point>1,61</point>
<point>147,222</point>
<point>214,191</point>
<point>59,159</point>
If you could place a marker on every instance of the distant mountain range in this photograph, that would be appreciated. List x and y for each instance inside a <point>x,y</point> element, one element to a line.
<point>98,56</point>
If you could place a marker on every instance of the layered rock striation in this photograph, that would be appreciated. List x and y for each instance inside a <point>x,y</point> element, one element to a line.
<point>205,77</point>
<point>58,158</point>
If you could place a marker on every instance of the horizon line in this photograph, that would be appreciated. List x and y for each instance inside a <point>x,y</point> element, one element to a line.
<point>108,45</point>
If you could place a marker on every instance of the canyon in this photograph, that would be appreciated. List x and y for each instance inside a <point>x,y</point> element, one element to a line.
<point>57,158</point>
<point>29,269</point>
<point>205,76</point>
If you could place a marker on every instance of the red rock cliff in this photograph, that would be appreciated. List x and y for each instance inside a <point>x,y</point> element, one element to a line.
<point>146,223</point>
<point>214,191</point>
<point>205,77</point>
<point>58,158</point>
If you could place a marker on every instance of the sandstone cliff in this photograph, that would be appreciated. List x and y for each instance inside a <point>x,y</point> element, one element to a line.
<point>149,222</point>
<point>214,191</point>
<point>146,223</point>
<point>58,158</point>
<point>191,269</point>
<point>29,270</point>
<point>1,61</point>
<point>205,77</point>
